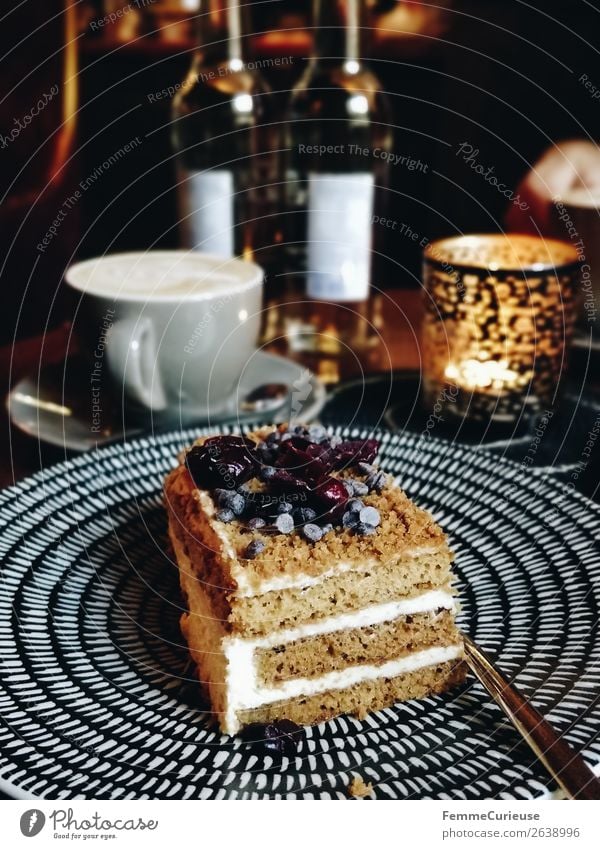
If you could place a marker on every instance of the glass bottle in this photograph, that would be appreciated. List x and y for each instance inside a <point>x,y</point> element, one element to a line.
<point>338,138</point>
<point>222,160</point>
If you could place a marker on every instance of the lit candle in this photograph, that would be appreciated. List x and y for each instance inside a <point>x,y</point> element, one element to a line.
<point>475,374</point>
<point>499,310</point>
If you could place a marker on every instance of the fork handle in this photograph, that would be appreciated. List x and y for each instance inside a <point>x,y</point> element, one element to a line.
<point>563,763</point>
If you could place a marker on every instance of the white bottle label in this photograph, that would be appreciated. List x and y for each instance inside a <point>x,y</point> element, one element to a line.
<point>340,212</point>
<point>206,211</point>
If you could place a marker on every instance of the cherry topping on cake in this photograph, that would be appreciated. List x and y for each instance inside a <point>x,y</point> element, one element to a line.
<point>330,493</point>
<point>299,492</point>
<point>285,481</point>
<point>354,451</point>
<point>296,457</point>
<point>222,462</point>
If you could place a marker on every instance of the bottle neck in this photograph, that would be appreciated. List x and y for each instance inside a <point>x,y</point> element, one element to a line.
<point>222,32</point>
<point>339,30</point>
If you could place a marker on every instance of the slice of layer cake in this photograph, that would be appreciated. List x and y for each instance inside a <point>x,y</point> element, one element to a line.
<point>314,586</point>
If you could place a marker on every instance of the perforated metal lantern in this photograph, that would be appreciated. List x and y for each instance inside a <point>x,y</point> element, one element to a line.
<point>499,315</point>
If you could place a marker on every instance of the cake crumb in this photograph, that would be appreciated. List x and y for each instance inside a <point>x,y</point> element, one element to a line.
<point>359,789</point>
<point>361,713</point>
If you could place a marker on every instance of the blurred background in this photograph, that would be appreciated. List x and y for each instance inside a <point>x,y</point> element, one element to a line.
<point>502,77</point>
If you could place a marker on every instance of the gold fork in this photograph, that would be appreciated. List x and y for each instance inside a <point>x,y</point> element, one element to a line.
<point>563,763</point>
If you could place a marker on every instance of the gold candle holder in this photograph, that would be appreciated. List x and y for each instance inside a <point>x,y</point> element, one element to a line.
<point>499,315</point>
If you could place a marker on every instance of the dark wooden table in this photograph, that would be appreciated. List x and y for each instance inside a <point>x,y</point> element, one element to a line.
<point>397,314</point>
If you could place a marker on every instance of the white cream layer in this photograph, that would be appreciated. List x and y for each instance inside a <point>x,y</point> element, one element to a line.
<point>244,690</point>
<point>302,581</point>
<point>247,694</point>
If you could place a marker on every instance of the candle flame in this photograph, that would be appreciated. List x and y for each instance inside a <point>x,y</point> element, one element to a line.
<point>474,374</point>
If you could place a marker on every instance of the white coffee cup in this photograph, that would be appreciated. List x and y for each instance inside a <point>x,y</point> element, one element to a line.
<point>173,328</point>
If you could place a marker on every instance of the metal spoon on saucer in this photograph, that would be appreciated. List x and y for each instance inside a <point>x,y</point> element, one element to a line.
<point>264,398</point>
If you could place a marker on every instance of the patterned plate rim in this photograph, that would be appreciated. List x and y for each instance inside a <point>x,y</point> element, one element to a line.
<point>178,438</point>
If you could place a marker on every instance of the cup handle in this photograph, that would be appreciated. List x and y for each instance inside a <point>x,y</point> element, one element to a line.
<point>131,352</point>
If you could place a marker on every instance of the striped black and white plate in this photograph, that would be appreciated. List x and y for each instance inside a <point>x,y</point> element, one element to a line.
<point>98,701</point>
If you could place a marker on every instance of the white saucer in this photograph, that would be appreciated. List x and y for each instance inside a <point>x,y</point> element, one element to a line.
<point>54,405</point>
